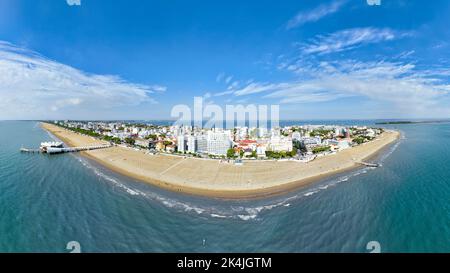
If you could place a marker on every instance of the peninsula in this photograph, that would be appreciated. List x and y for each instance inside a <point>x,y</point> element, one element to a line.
<point>223,178</point>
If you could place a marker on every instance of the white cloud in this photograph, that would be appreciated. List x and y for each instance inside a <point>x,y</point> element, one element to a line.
<point>314,14</point>
<point>348,39</point>
<point>32,86</point>
<point>220,77</point>
<point>400,84</point>
<point>73,2</point>
<point>228,79</point>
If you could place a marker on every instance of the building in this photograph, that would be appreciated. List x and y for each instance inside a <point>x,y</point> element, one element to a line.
<point>170,148</point>
<point>159,146</point>
<point>192,144</point>
<point>262,132</point>
<point>310,141</point>
<point>181,143</point>
<point>202,144</point>
<point>247,144</point>
<point>218,142</point>
<point>278,144</point>
<point>296,136</point>
<point>261,150</point>
<point>142,142</point>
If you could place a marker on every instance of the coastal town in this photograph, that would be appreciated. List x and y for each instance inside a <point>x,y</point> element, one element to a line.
<point>303,143</point>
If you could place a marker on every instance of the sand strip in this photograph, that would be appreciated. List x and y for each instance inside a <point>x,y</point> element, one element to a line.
<point>224,180</point>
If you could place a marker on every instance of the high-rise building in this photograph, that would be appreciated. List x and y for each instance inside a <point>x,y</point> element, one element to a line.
<point>181,143</point>
<point>218,142</point>
<point>202,144</point>
<point>192,144</point>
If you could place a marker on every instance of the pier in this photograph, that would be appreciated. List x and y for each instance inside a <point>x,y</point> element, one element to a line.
<point>26,150</point>
<point>51,150</point>
<point>373,165</point>
<point>60,150</point>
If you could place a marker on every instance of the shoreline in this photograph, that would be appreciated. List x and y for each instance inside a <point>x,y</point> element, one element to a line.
<point>223,180</point>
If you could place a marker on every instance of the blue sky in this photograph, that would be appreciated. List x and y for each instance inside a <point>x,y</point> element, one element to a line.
<point>335,59</point>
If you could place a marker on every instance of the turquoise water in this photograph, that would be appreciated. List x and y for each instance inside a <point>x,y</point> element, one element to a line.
<point>47,201</point>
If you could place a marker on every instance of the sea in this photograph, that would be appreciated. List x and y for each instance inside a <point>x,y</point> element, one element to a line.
<point>49,203</point>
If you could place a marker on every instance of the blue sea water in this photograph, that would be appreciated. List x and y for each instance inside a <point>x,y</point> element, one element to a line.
<point>47,201</point>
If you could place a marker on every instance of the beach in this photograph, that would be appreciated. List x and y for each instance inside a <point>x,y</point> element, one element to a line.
<point>207,177</point>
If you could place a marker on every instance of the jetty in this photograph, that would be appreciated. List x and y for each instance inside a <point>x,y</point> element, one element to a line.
<point>58,148</point>
<point>373,165</point>
<point>51,150</point>
<point>26,150</point>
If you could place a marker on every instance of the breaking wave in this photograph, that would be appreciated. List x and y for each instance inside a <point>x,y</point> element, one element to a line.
<point>232,209</point>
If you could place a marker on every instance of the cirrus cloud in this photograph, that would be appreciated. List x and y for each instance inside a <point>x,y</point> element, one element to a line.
<point>33,86</point>
<point>73,2</point>
<point>314,14</point>
<point>402,85</point>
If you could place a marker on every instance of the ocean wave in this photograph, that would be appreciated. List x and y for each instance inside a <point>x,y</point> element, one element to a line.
<point>226,210</point>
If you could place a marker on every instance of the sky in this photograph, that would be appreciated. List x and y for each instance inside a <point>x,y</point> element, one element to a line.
<point>133,59</point>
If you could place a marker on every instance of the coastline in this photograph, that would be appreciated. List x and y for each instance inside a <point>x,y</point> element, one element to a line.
<point>222,180</point>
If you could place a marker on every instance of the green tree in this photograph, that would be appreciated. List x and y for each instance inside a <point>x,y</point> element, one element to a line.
<point>321,149</point>
<point>129,141</point>
<point>230,153</point>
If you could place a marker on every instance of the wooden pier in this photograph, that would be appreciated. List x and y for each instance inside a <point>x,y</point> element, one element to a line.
<point>25,150</point>
<point>57,150</point>
<point>51,150</point>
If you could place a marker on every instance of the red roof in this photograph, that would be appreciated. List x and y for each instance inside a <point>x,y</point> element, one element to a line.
<point>247,141</point>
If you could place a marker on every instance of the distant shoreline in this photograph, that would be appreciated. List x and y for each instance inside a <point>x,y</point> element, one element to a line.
<point>219,179</point>
<point>411,122</point>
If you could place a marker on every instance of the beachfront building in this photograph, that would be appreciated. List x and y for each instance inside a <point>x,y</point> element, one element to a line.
<point>280,143</point>
<point>202,144</point>
<point>218,142</point>
<point>192,144</point>
<point>142,142</point>
<point>261,150</point>
<point>181,143</point>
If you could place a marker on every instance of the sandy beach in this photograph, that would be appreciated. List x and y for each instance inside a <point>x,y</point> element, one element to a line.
<point>219,179</point>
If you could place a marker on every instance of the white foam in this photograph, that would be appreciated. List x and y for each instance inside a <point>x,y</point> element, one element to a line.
<point>218,215</point>
<point>233,211</point>
<point>310,193</point>
<point>246,217</point>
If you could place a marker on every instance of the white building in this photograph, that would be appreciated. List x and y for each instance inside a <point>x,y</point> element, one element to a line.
<point>181,143</point>
<point>202,144</point>
<point>261,150</point>
<point>278,144</point>
<point>311,140</point>
<point>262,132</point>
<point>218,142</point>
<point>142,142</point>
<point>192,144</point>
<point>296,136</point>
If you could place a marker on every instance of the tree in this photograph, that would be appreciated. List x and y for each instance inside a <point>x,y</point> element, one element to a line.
<point>152,136</point>
<point>321,149</point>
<point>129,141</point>
<point>359,140</point>
<point>230,153</point>
<point>293,152</point>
